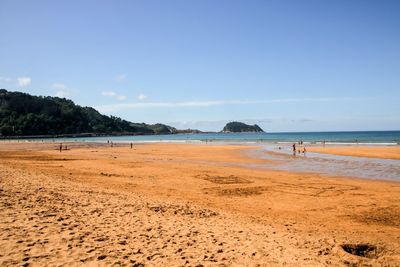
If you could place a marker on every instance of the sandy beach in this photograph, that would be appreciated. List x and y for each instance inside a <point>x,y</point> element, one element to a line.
<point>189,205</point>
<point>382,152</point>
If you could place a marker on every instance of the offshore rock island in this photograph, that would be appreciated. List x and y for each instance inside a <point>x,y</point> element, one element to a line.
<point>240,127</point>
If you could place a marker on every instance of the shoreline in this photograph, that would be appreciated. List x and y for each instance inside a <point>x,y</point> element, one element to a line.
<point>373,138</point>
<point>365,150</point>
<point>80,135</point>
<point>200,141</point>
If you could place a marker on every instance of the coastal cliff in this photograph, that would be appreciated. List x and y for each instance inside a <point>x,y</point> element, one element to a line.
<point>23,114</point>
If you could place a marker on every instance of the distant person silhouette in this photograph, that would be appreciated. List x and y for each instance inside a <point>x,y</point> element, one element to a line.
<point>60,147</point>
<point>294,148</point>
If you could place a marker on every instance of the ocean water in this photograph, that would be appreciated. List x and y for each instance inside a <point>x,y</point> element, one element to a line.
<point>368,137</point>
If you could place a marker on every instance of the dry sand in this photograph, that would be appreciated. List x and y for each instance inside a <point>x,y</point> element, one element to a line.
<point>193,205</point>
<point>383,152</point>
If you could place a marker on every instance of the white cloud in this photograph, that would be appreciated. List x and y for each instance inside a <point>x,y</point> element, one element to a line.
<point>62,94</point>
<point>24,81</point>
<point>60,86</point>
<point>120,77</point>
<point>113,94</point>
<point>113,107</point>
<point>141,97</point>
<point>108,93</point>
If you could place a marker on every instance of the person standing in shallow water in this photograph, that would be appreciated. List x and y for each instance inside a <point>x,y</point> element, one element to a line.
<point>60,147</point>
<point>131,145</point>
<point>294,148</point>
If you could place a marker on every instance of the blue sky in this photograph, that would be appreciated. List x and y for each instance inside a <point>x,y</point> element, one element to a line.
<point>286,65</point>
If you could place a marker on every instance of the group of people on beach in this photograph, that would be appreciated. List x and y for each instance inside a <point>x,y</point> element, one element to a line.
<point>301,149</point>
<point>61,147</point>
<point>112,144</point>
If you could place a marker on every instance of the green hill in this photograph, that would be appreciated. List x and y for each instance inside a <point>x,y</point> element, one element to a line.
<point>240,127</point>
<point>22,114</point>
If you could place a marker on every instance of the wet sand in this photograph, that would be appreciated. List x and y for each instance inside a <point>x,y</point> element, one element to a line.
<point>383,152</point>
<point>169,204</point>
